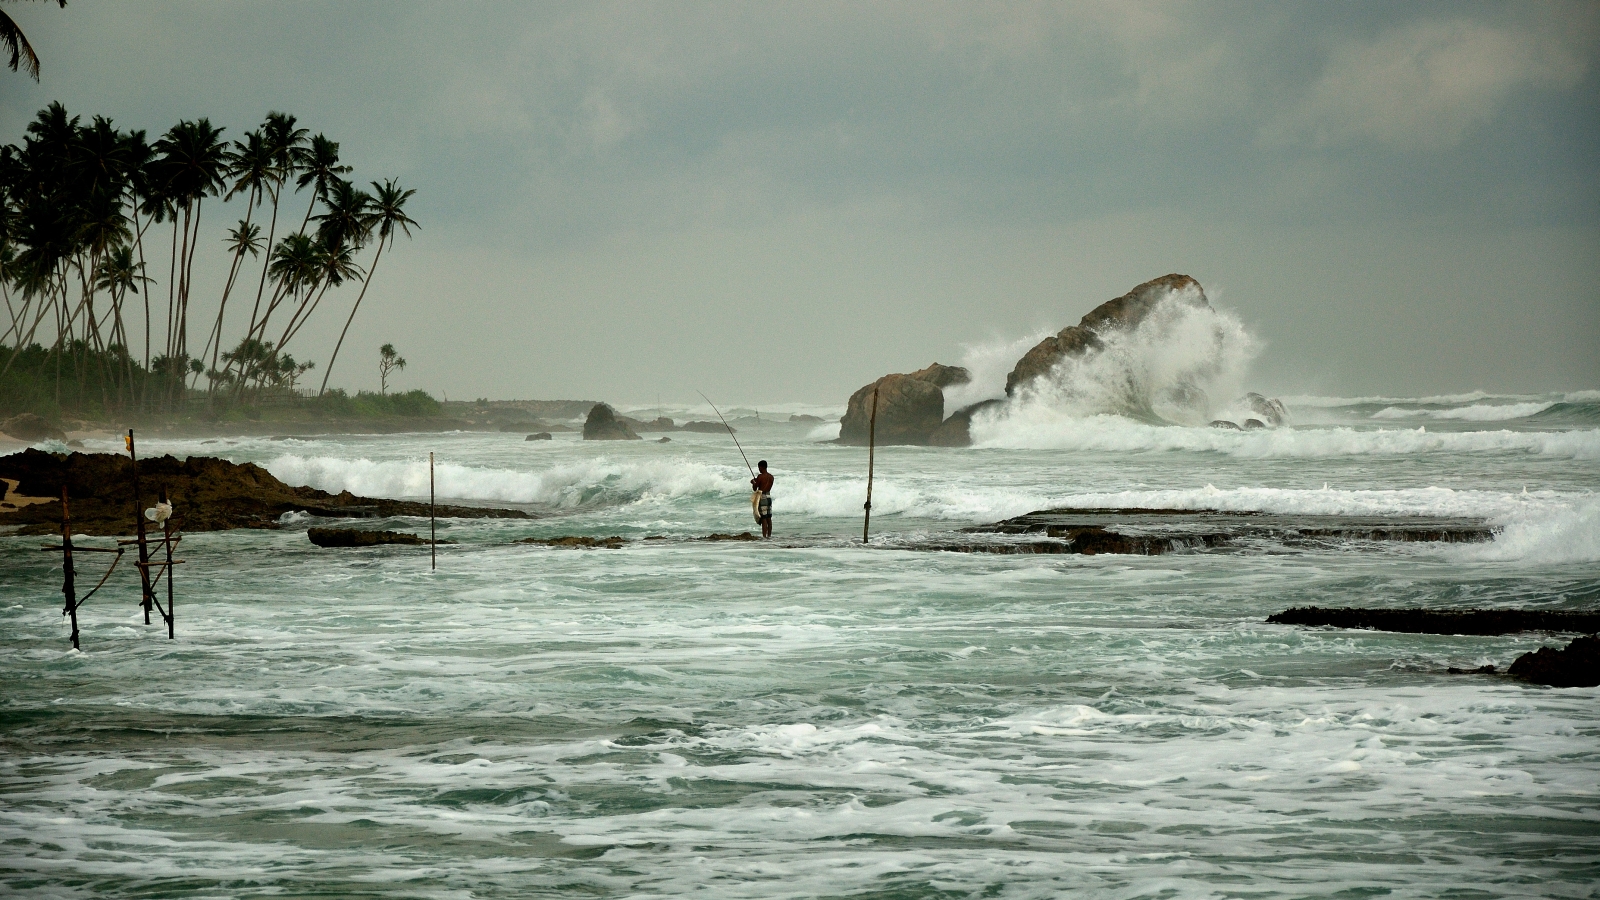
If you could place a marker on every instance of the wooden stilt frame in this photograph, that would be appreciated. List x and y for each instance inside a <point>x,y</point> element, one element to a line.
<point>147,593</point>
<point>151,573</point>
<point>69,584</point>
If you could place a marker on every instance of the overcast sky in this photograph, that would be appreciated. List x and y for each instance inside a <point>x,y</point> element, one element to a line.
<point>780,202</point>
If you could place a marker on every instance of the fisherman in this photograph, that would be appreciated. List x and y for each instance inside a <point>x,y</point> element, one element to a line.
<point>762,484</point>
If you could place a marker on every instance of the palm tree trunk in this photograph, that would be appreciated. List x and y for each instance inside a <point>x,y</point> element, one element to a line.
<point>266,261</point>
<point>352,317</point>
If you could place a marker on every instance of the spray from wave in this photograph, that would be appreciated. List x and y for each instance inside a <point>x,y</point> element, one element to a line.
<point>1183,364</point>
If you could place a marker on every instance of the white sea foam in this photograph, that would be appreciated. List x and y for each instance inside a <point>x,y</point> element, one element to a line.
<point>989,363</point>
<point>1042,427</point>
<point>1544,533</point>
<point>585,482</point>
<point>1183,363</point>
<point>1478,412</point>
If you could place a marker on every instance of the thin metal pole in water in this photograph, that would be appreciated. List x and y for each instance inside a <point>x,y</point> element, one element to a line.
<point>433,535</point>
<point>872,446</point>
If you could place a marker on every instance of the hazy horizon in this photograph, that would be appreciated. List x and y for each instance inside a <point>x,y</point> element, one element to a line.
<point>777,205</point>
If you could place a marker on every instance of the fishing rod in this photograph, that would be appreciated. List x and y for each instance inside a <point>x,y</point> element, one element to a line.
<point>730,432</point>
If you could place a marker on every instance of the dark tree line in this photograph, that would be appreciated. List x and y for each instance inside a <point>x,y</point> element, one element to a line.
<point>96,224</point>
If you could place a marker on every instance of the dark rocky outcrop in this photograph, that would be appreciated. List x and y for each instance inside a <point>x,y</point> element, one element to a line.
<point>1441,621</point>
<point>541,436</point>
<point>660,423</point>
<point>663,440</point>
<point>1224,424</point>
<point>351,537</point>
<point>723,536</point>
<point>1269,410</point>
<point>956,431</point>
<point>706,427</point>
<point>209,494</point>
<point>29,427</point>
<point>910,407</point>
<point>1576,666</point>
<point>802,419</point>
<point>603,425</point>
<point>1124,313</point>
<point>578,542</point>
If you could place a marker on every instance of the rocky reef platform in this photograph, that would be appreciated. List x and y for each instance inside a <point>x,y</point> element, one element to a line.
<point>209,494</point>
<point>1151,532</point>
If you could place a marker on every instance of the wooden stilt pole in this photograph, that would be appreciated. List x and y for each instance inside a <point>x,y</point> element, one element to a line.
<point>68,588</point>
<point>872,446</point>
<point>171,611</point>
<point>433,534</point>
<point>146,589</point>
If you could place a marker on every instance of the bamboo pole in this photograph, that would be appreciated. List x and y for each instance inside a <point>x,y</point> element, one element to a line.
<point>68,587</point>
<point>433,534</point>
<point>171,611</point>
<point>872,446</point>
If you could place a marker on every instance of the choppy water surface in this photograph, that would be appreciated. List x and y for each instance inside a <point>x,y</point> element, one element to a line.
<point>812,718</point>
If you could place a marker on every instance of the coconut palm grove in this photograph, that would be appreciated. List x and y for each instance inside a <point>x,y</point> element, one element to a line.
<point>100,230</point>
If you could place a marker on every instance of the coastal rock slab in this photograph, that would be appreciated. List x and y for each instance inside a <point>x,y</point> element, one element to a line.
<point>209,494</point>
<point>350,537</point>
<point>603,425</point>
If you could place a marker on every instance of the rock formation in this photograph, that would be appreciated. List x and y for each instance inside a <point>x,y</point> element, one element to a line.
<point>1576,666</point>
<point>209,494</point>
<point>910,407</point>
<point>350,537</point>
<point>541,436</point>
<point>1270,411</point>
<point>706,427</point>
<point>31,428</point>
<point>1123,314</point>
<point>603,425</point>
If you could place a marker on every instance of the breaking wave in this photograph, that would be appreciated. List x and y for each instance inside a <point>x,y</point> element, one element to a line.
<point>1478,412</point>
<point>1050,429</point>
<point>1184,363</point>
<point>589,483</point>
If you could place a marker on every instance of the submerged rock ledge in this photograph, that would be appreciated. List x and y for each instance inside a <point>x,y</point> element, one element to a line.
<point>1441,621</point>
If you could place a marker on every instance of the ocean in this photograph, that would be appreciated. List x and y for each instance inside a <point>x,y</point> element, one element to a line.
<point>811,717</point>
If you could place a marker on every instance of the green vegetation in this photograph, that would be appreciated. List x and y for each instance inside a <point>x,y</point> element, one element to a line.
<point>85,212</point>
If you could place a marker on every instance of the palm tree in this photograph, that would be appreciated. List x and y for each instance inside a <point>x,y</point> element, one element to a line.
<point>284,143</point>
<point>388,212</point>
<point>388,361</point>
<point>191,163</point>
<point>12,40</point>
<point>251,166</point>
<point>319,167</point>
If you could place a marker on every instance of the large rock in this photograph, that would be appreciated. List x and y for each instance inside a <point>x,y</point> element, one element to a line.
<point>1270,411</point>
<point>956,431</point>
<point>910,407</point>
<point>603,425</point>
<point>209,494</point>
<point>350,537</point>
<point>1123,314</point>
<point>1576,666</point>
<point>31,428</point>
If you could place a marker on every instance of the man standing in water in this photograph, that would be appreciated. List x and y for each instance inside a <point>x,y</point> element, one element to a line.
<point>763,485</point>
